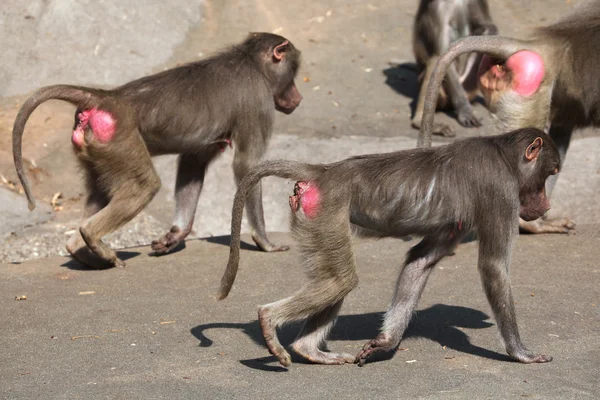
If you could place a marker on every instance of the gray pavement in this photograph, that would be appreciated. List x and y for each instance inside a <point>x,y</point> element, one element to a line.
<point>153,330</point>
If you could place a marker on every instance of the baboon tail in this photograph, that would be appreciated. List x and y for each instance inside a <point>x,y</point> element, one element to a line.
<point>281,168</point>
<point>80,96</point>
<point>495,46</point>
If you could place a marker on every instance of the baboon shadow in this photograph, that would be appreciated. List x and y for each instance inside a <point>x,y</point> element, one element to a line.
<point>403,78</point>
<point>77,266</point>
<point>225,239</point>
<point>440,323</point>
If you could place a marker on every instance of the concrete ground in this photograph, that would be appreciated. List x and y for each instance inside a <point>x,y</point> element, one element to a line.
<point>154,330</point>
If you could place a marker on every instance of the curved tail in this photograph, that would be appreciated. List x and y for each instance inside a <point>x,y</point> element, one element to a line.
<point>80,96</point>
<point>495,46</point>
<point>281,168</point>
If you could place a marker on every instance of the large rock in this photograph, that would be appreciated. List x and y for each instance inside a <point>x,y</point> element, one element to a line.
<point>105,42</point>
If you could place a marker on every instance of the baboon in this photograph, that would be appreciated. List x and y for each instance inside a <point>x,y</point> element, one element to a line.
<point>479,185</point>
<point>194,110</point>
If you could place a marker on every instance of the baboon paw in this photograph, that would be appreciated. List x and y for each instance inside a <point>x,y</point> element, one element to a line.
<point>468,119</point>
<point>566,224</point>
<point>317,356</point>
<point>86,257</point>
<point>267,246</point>
<point>563,225</point>
<point>443,130</point>
<point>331,359</point>
<point>528,357</point>
<point>118,263</point>
<point>284,358</point>
<point>168,242</point>
<point>274,248</point>
<point>382,343</point>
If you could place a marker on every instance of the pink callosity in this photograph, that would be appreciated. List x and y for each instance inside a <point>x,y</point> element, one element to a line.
<point>101,123</point>
<point>528,71</point>
<point>310,198</point>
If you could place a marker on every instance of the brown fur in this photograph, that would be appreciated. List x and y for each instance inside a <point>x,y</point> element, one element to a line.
<point>192,110</point>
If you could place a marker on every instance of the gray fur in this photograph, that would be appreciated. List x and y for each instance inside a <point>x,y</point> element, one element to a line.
<point>442,194</point>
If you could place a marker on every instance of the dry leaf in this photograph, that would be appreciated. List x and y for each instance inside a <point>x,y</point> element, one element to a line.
<point>318,19</point>
<point>19,298</point>
<point>85,337</point>
<point>55,197</point>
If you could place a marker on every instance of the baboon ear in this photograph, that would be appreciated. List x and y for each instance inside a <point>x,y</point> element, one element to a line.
<point>534,149</point>
<point>279,51</point>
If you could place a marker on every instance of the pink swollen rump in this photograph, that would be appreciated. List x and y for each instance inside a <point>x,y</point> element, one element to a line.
<point>101,123</point>
<point>528,71</point>
<point>307,196</point>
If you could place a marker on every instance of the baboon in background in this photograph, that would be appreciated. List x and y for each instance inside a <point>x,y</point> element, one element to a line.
<point>437,24</point>
<point>550,77</point>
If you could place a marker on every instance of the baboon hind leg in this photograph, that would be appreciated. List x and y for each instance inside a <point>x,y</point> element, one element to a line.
<point>332,275</point>
<point>125,172</point>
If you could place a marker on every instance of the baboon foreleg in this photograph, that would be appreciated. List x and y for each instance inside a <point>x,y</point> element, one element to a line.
<point>493,268</point>
<point>243,161</point>
<point>190,179</point>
